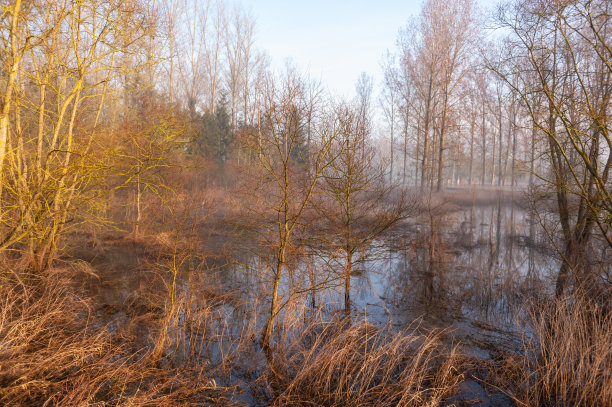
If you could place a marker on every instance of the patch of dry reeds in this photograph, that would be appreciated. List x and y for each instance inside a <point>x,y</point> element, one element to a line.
<point>54,353</point>
<point>567,361</point>
<point>359,364</point>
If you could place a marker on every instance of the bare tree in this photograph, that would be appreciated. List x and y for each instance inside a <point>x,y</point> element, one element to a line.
<point>357,204</point>
<point>288,177</point>
<point>435,56</point>
<point>562,51</point>
<point>389,102</point>
<point>77,55</point>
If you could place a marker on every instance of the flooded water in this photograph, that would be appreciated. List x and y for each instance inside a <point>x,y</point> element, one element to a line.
<point>489,260</point>
<point>486,261</point>
<point>469,270</point>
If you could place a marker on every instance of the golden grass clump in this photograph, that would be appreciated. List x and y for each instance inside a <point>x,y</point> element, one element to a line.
<point>341,364</point>
<point>572,361</point>
<point>567,361</point>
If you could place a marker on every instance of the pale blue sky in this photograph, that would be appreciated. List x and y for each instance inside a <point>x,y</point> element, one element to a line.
<point>334,40</point>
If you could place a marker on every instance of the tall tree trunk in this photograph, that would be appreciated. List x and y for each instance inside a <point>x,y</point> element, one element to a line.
<point>138,206</point>
<point>471,170</point>
<point>532,158</point>
<point>441,146</point>
<point>483,176</point>
<point>426,131</point>
<point>501,147</point>
<point>392,139</point>
<point>493,159</point>
<point>513,170</point>
<point>416,154</point>
<point>11,83</point>
<point>265,341</point>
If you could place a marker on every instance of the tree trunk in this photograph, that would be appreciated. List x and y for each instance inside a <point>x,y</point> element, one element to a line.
<point>348,269</point>
<point>484,151</point>
<point>426,132</point>
<point>501,148</point>
<point>10,85</point>
<point>493,159</point>
<point>138,206</point>
<point>471,170</point>
<point>265,341</point>
<point>416,154</point>
<point>441,146</point>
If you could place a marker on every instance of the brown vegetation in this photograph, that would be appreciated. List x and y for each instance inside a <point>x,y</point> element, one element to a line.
<point>341,364</point>
<point>566,359</point>
<point>54,352</point>
<point>177,222</point>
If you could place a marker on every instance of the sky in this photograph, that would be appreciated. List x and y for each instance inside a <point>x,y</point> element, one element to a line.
<point>333,40</point>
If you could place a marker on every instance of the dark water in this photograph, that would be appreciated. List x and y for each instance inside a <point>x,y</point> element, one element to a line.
<point>489,262</point>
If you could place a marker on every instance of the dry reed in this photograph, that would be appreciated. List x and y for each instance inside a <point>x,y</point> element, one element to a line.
<point>53,353</point>
<point>567,359</point>
<point>341,364</point>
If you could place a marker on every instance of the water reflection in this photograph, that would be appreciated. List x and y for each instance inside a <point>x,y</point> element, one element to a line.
<point>478,261</point>
<point>454,266</point>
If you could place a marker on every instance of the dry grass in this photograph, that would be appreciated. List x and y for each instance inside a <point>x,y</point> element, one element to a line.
<point>568,360</point>
<point>203,349</point>
<point>52,354</point>
<point>342,364</point>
